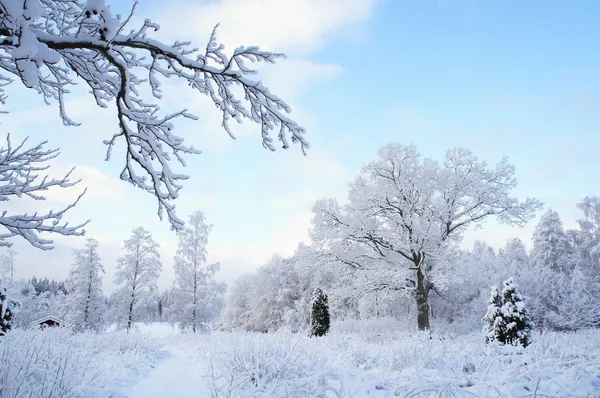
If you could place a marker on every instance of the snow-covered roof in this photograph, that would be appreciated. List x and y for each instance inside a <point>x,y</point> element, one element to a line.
<point>45,319</point>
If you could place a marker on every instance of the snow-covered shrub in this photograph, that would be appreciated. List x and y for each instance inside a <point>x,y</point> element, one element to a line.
<point>319,314</point>
<point>507,320</point>
<point>398,364</point>
<point>56,363</point>
<point>263,366</point>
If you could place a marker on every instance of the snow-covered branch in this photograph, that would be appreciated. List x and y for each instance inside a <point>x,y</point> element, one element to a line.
<point>50,44</point>
<point>19,176</point>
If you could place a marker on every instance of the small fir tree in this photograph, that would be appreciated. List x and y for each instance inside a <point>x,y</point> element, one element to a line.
<point>507,320</point>
<point>516,317</point>
<point>319,314</point>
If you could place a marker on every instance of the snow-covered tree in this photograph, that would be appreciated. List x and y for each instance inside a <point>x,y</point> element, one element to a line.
<point>136,275</point>
<point>507,320</point>
<point>403,212</point>
<point>551,247</point>
<point>50,45</point>
<point>7,306</point>
<point>196,298</point>
<point>275,296</point>
<point>85,306</point>
<point>20,177</point>
<point>238,312</point>
<point>588,236</point>
<point>47,285</point>
<point>516,318</point>
<point>319,314</point>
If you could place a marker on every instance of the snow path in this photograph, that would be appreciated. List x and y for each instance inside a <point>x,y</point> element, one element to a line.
<point>176,376</point>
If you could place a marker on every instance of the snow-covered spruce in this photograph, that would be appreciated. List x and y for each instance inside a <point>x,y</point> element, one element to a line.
<point>507,320</point>
<point>85,304</point>
<point>319,314</point>
<point>51,45</point>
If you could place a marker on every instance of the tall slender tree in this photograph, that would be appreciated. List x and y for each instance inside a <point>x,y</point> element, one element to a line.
<point>137,272</point>
<point>85,308</point>
<point>196,297</point>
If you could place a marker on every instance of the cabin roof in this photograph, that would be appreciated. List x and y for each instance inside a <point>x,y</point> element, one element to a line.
<point>46,319</point>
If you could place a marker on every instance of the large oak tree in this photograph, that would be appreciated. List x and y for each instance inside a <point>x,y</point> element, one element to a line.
<point>403,210</point>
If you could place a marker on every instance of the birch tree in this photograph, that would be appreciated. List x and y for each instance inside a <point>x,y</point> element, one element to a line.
<point>403,211</point>
<point>51,45</point>
<point>85,308</point>
<point>136,275</point>
<point>197,298</point>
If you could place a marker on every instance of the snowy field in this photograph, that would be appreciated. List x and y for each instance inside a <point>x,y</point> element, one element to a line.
<point>157,361</point>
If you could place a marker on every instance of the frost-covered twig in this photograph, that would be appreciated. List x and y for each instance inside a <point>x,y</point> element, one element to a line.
<point>19,176</point>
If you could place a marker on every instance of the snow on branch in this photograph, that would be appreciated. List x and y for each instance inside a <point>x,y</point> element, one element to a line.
<point>19,177</point>
<point>48,43</point>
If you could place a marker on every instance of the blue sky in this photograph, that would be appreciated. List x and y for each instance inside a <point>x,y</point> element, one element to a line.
<point>502,78</point>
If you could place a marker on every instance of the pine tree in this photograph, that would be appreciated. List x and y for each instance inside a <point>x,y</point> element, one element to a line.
<point>6,310</point>
<point>507,320</point>
<point>319,314</point>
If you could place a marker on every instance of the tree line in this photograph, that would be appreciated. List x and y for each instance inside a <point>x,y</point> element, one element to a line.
<point>194,301</point>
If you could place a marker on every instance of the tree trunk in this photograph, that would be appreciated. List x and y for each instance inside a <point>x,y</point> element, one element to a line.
<point>135,280</point>
<point>88,300</point>
<point>421,295</point>
<point>130,318</point>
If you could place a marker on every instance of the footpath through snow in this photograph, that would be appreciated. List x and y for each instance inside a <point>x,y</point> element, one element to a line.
<point>176,376</point>
<point>180,374</point>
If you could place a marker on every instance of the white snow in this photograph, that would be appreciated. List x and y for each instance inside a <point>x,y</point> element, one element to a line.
<point>177,376</point>
<point>158,361</point>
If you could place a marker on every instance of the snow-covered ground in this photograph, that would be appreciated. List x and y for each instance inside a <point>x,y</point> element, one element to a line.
<point>370,363</point>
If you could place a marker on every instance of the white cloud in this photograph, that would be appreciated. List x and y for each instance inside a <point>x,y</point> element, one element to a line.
<point>276,25</point>
<point>99,185</point>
